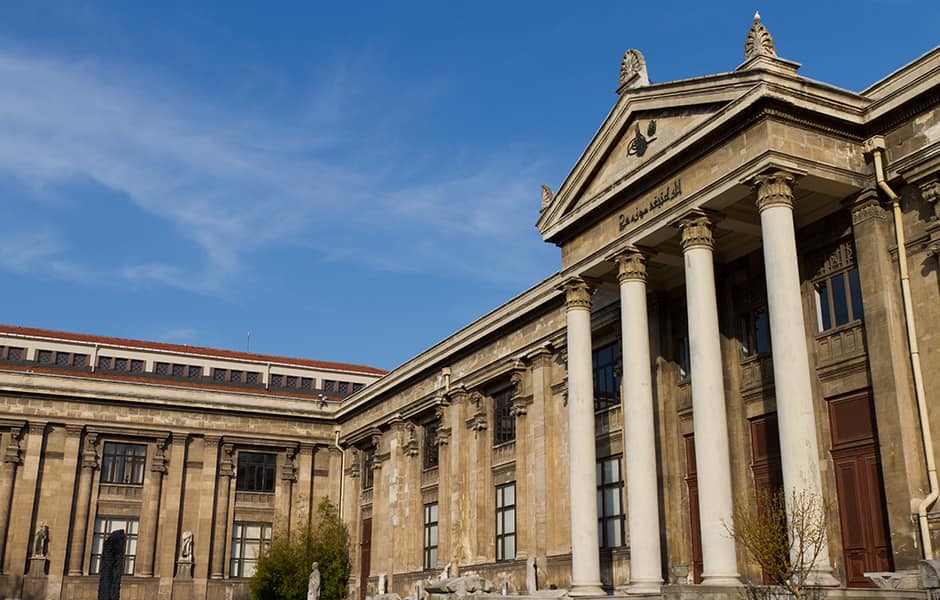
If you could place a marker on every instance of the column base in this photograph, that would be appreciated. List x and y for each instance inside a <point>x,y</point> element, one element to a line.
<point>730,579</point>
<point>586,589</point>
<point>653,586</point>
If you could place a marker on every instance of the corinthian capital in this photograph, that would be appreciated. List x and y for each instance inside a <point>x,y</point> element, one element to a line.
<point>578,294</point>
<point>774,189</point>
<point>631,265</point>
<point>696,230</point>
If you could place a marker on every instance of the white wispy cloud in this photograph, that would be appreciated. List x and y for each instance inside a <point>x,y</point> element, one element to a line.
<point>234,183</point>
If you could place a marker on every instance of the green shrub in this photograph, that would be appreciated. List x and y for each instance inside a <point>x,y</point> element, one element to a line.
<point>284,568</point>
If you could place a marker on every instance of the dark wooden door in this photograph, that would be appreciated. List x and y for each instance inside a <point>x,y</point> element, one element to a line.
<point>765,462</point>
<point>365,557</point>
<point>860,488</point>
<point>695,528</point>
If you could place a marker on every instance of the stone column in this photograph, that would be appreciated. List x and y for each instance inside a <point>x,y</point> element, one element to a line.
<point>799,453</point>
<point>639,428</point>
<point>11,459</point>
<point>526,500</point>
<point>443,481</point>
<point>537,449</point>
<point>226,472</point>
<point>282,498</point>
<point>80,529</point>
<point>712,457</point>
<point>585,559</point>
<point>150,511</point>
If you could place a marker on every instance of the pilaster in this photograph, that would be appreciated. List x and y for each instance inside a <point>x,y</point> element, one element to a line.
<point>12,458</point>
<point>89,463</point>
<point>223,496</point>
<point>150,510</point>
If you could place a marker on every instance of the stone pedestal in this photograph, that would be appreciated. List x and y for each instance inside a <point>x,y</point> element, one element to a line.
<point>184,569</point>
<point>37,566</point>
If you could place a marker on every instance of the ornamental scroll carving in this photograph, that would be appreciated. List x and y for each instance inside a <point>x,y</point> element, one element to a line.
<point>759,41</point>
<point>633,70</point>
<point>227,464</point>
<point>930,192</point>
<point>13,453</point>
<point>289,468</point>
<point>90,452</point>
<point>547,196</point>
<point>410,441</point>
<point>158,464</point>
<point>520,401</point>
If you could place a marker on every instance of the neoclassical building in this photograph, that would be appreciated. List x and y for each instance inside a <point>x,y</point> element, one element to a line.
<point>748,300</point>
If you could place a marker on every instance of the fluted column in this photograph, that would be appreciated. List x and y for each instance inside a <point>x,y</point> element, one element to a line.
<point>80,530</point>
<point>639,429</point>
<point>226,472</point>
<point>151,511</point>
<point>799,452</point>
<point>585,559</point>
<point>11,459</point>
<point>712,457</point>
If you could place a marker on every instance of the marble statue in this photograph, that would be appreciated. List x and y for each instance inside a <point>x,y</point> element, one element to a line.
<point>313,583</point>
<point>41,540</point>
<point>186,547</point>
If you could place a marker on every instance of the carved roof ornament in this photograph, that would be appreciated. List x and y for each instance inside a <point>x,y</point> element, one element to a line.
<point>547,196</point>
<point>633,70</point>
<point>758,42</point>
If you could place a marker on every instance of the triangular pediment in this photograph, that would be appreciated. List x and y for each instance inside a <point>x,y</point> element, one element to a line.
<point>643,129</point>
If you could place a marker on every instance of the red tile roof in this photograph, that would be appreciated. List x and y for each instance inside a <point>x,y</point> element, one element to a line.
<point>207,352</point>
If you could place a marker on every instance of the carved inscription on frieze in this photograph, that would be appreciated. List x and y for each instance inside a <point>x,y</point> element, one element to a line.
<point>643,208</point>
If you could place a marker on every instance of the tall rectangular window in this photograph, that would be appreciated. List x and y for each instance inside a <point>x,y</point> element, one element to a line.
<point>368,461</point>
<point>255,472</point>
<point>754,326</point>
<point>431,451</point>
<point>506,521</point>
<point>838,299</point>
<point>123,463</point>
<point>430,535</point>
<point>610,512</point>
<point>104,526</point>
<point>606,364</point>
<point>504,425</point>
<point>249,540</point>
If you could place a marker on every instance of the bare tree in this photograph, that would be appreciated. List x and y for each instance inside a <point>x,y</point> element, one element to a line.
<point>784,538</point>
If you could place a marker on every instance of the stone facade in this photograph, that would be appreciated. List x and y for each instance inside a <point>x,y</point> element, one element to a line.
<point>747,300</point>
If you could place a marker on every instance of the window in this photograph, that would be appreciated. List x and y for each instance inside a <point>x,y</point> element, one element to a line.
<point>62,359</point>
<point>104,362</point>
<point>368,461</point>
<point>504,425</point>
<point>431,454</point>
<point>44,356</point>
<point>120,364</point>
<point>253,377</point>
<point>329,385</point>
<point>179,370</point>
<point>104,526</point>
<point>123,463</point>
<point>218,375</point>
<point>606,364</point>
<point>356,387</point>
<point>79,360</point>
<point>754,330</point>
<point>306,384</point>
<point>162,368</point>
<point>430,535</point>
<point>610,513</point>
<point>277,380</point>
<point>195,372</point>
<point>249,540</point>
<point>291,381</point>
<point>14,353</point>
<point>343,387</point>
<point>255,472</point>
<point>506,521</point>
<point>235,376</point>
<point>838,299</point>
<point>137,366</point>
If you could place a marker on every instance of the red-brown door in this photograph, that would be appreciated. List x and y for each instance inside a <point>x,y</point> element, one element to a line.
<point>765,461</point>
<point>365,557</point>
<point>695,528</point>
<point>860,488</point>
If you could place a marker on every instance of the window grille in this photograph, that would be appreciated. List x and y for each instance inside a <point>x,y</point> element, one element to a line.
<point>123,463</point>
<point>504,425</point>
<point>104,526</point>
<point>506,521</point>
<point>610,513</point>
<point>255,472</point>
<point>249,540</point>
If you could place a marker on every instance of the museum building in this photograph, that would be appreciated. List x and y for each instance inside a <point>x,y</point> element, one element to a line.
<point>748,300</point>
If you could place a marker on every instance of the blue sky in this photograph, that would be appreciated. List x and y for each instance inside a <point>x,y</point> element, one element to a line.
<point>346,181</point>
